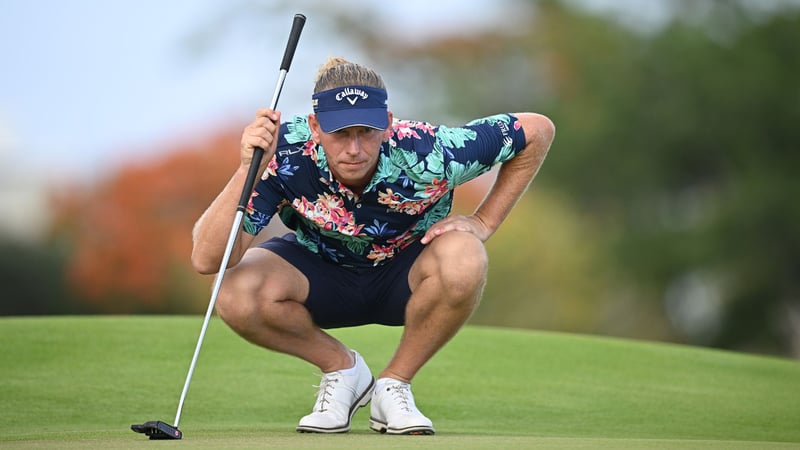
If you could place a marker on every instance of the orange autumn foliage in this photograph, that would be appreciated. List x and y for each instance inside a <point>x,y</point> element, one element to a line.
<point>130,235</point>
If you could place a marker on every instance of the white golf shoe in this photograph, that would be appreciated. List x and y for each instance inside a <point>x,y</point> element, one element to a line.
<point>340,394</point>
<point>393,410</point>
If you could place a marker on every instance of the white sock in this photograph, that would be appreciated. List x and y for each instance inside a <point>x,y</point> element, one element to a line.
<point>380,383</point>
<point>351,371</point>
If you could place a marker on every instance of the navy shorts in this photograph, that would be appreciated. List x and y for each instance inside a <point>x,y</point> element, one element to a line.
<point>345,297</point>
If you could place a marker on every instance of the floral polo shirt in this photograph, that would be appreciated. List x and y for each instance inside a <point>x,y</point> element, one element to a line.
<point>412,188</point>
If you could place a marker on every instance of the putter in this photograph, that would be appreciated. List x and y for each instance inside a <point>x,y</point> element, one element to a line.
<point>161,430</point>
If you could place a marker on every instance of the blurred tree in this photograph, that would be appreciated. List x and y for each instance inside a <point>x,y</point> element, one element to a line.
<point>685,143</point>
<point>693,159</point>
<point>668,198</point>
<point>716,183</point>
<point>129,238</point>
<point>547,270</point>
<point>675,147</point>
<point>32,280</point>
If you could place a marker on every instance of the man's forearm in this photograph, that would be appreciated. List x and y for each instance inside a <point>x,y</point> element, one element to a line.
<point>515,175</point>
<point>210,233</point>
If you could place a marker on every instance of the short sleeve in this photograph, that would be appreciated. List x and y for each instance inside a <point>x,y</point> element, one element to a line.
<point>475,148</point>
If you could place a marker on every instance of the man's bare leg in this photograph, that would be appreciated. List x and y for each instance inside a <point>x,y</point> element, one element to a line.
<point>262,300</point>
<point>447,282</point>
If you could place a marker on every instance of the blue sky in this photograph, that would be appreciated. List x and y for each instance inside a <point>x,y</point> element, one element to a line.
<point>89,85</point>
<point>84,80</point>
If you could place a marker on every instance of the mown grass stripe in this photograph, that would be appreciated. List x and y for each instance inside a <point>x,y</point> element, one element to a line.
<point>81,381</point>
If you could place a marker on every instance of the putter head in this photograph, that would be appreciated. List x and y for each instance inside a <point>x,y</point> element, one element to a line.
<point>157,430</point>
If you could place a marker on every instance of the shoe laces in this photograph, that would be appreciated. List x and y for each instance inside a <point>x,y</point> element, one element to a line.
<point>401,394</point>
<point>325,389</point>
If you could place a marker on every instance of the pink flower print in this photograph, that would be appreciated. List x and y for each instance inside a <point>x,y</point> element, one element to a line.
<point>407,128</point>
<point>328,213</point>
<point>310,149</point>
<point>388,198</point>
<point>380,253</point>
<point>403,241</point>
<point>437,190</point>
<point>403,131</point>
<point>272,169</point>
<point>412,207</point>
<point>250,208</point>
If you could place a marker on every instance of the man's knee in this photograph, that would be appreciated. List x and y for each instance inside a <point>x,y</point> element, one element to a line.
<point>460,263</point>
<point>236,301</point>
<point>252,289</point>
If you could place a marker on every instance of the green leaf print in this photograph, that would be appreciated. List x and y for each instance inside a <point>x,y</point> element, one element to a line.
<point>437,212</point>
<point>455,137</point>
<point>298,130</point>
<point>458,173</point>
<point>356,244</point>
<point>248,226</point>
<point>492,120</point>
<point>403,158</point>
<point>387,170</point>
<point>322,160</point>
<point>305,241</point>
<point>507,152</point>
<point>434,163</point>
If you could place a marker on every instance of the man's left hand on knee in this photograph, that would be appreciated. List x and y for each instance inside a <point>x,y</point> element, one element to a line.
<point>470,224</point>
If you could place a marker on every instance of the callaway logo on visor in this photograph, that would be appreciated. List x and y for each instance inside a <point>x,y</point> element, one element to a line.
<point>349,106</point>
<point>351,95</point>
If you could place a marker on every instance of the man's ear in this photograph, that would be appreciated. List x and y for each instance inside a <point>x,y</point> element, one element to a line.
<point>313,123</point>
<point>387,133</point>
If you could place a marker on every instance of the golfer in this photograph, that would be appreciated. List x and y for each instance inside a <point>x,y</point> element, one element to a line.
<point>368,199</point>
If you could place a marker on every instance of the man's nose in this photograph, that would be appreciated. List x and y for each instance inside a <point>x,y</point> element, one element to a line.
<point>354,146</point>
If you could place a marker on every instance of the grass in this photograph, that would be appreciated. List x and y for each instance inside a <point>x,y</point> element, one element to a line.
<point>79,382</point>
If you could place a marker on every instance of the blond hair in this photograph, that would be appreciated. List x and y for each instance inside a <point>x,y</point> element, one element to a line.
<point>338,72</point>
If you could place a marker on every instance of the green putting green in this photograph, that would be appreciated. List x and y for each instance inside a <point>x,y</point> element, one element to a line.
<point>80,382</point>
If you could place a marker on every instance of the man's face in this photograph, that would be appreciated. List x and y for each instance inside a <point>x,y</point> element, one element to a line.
<point>352,152</point>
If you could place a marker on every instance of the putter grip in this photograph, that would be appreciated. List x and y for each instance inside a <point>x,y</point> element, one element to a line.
<point>258,152</point>
<point>294,36</point>
<point>250,182</point>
